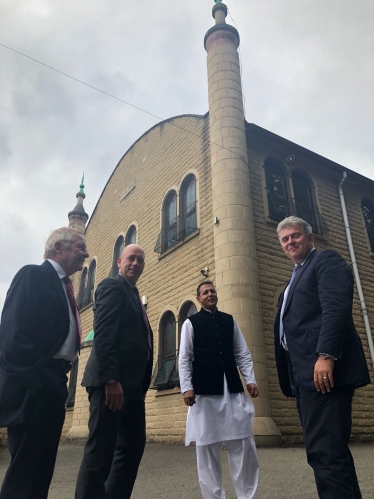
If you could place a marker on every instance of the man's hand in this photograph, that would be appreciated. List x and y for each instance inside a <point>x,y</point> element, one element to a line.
<point>323,379</point>
<point>114,396</point>
<point>252,390</point>
<point>189,397</point>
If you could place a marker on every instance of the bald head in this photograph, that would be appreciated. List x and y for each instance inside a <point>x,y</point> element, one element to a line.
<point>131,262</point>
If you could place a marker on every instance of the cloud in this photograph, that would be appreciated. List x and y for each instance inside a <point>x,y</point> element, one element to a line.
<point>307,76</point>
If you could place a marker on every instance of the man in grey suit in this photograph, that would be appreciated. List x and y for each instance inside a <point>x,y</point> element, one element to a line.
<point>117,377</point>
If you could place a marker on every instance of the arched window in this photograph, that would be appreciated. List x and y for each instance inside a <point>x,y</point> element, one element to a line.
<point>118,248</point>
<point>91,282</point>
<point>276,190</point>
<point>131,235</point>
<point>167,335</point>
<point>367,208</point>
<point>188,308</point>
<point>165,374</point>
<point>304,200</point>
<point>188,206</point>
<point>170,230</point>
<point>81,300</point>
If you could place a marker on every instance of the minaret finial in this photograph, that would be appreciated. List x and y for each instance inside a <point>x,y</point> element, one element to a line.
<point>81,187</point>
<point>218,1</point>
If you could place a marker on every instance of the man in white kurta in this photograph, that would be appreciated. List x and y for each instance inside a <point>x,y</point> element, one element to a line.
<point>216,418</point>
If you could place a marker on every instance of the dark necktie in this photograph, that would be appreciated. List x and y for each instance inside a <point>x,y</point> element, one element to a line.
<point>281,330</point>
<point>136,291</point>
<point>73,304</point>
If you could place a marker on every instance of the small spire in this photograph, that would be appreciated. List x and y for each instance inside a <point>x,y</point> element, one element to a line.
<point>78,217</point>
<point>218,1</point>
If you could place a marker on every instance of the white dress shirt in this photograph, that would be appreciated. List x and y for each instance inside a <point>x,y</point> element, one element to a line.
<point>217,418</point>
<point>68,351</point>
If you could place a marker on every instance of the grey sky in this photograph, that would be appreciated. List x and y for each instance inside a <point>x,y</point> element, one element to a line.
<point>308,76</point>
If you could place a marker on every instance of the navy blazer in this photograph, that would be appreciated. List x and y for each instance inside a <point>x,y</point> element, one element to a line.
<point>120,350</point>
<point>318,319</point>
<point>34,326</point>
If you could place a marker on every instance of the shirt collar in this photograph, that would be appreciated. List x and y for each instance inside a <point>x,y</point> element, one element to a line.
<point>131,284</point>
<point>310,252</point>
<point>60,271</point>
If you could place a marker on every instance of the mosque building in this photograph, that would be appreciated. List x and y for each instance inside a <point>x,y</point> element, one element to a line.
<point>203,196</point>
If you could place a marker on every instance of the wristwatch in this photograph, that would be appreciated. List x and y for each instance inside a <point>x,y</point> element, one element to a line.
<point>111,382</point>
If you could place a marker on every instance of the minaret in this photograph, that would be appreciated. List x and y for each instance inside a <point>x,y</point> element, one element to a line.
<point>234,239</point>
<point>78,217</point>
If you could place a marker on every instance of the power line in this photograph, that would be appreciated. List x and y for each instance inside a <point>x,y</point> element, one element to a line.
<point>117,98</point>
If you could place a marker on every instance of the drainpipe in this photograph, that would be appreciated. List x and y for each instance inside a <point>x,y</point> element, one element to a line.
<point>355,269</point>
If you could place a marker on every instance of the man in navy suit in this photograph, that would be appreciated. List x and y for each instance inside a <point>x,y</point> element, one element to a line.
<point>117,377</point>
<point>39,339</point>
<point>319,355</point>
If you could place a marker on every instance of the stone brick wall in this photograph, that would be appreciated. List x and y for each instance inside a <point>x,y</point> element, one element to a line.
<point>159,161</point>
<point>275,268</point>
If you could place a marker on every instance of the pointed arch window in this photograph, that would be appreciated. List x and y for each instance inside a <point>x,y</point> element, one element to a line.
<point>304,199</point>
<point>276,189</point>
<point>82,288</point>
<point>118,248</point>
<point>188,206</point>
<point>367,208</point>
<point>131,235</point>
<point>170,221</point>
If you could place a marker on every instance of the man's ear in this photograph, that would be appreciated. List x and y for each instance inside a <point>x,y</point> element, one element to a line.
<point>58,246</point>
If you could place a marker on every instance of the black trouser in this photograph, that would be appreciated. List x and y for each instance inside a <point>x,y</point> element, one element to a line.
<point>33,445</point>
<point>114,447</point>
<point>326,420</point>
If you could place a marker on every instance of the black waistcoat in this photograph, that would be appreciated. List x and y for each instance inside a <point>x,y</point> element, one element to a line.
<point>214,353</point>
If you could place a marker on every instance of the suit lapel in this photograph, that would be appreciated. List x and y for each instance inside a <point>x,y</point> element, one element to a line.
<point>56,284</point>
<point>130,293</point>
<point>296,280</point>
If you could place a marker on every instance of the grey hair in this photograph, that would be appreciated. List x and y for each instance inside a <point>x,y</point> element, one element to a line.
<point>64,235</point>
<point>290,221</point>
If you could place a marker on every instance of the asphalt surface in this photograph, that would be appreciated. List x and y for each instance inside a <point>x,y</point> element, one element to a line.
<point>169,472</point>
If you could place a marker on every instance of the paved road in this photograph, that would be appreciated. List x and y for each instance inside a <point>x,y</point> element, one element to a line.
<point>169,472</point>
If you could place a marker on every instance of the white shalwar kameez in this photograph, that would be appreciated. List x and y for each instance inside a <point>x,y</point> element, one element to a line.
<point>215,419</point>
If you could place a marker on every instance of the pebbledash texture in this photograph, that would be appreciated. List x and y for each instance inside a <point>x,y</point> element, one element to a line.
<point>203,196</point>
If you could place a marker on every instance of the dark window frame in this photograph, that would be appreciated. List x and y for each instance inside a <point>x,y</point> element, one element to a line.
<point>117,251</point>
<point>278,204</point>
<point>165,375</point>
<point>188,211</point>
<point>131,234</point>
<point>367,210</point>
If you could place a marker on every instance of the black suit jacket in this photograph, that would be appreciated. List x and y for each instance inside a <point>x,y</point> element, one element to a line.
<point>120,350</point>
<point>318,319</point>
<point>34,326</point>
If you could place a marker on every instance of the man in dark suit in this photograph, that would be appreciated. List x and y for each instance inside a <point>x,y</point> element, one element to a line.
<point>117,378</point>
<point>39,338</point>
<point>319,356</point>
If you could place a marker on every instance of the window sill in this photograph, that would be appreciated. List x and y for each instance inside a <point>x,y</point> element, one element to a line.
<point>85,307</point>
<point>178,245</point>
<point>170,391</point>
